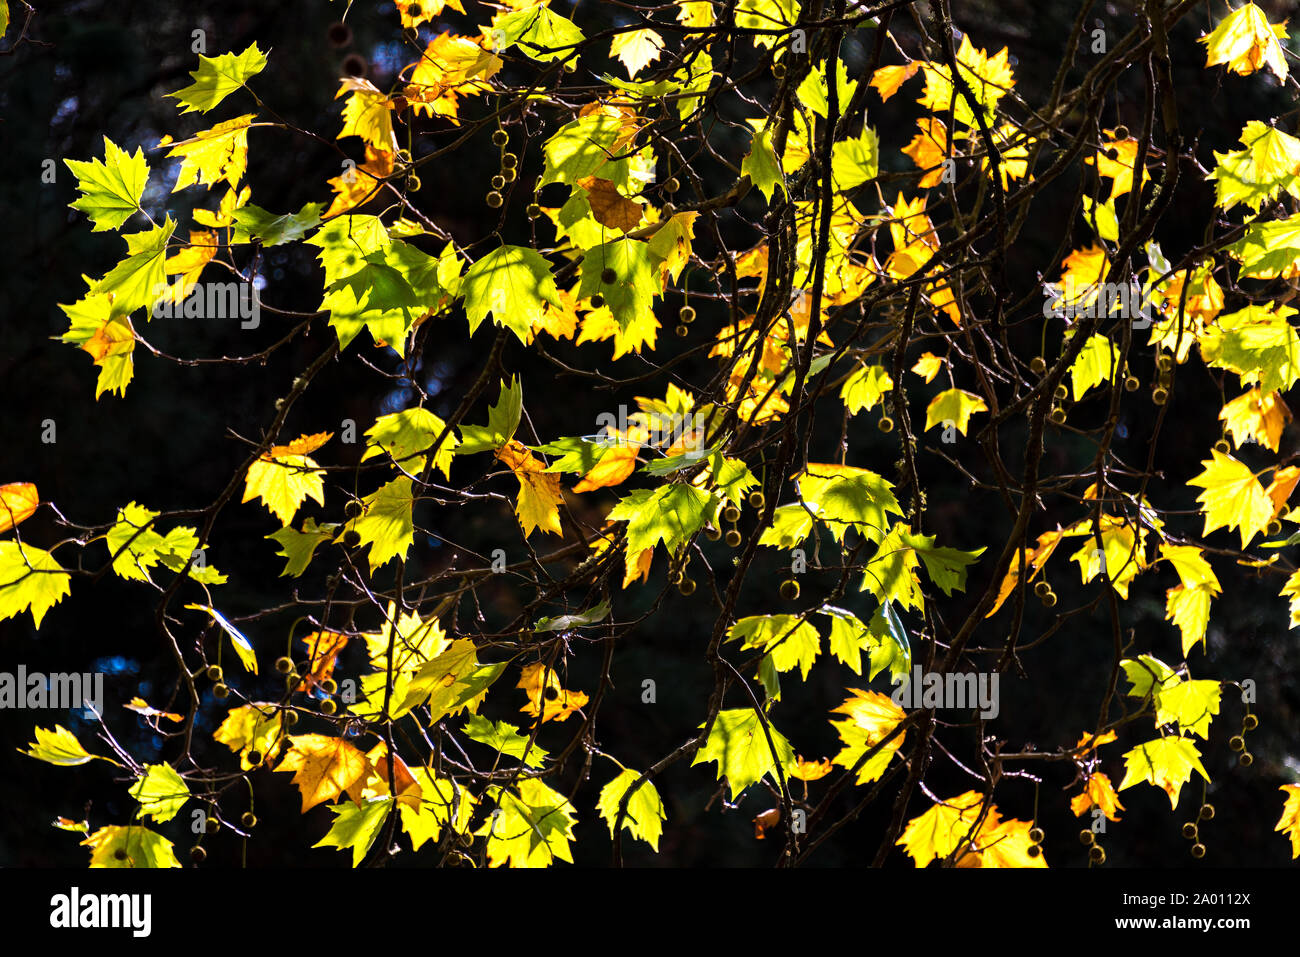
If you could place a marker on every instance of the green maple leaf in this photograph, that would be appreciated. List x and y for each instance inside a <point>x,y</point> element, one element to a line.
<point>1102,217</point>
<point>511,284</point>
<point>762,165</point>
<point>110,190</point>
<point>442,802</point>
<point>814,88</point>
<point>299,546</point>
<point>136,546</point>
<point>384,522</point>
<point>503,420</point>
<point>865,387</point>
<point>645,813</point>
<point>92,321</point>
<point>844,496</point>
<point>118,846</point>
<point>539,32</point>
<point>856,161</point>
<point>891,574</point>
<point>790,642</point>
<point>790,526</point>
<point>634,283</point>
<point>739,747</point>
<point>533,828</point>
<point>219,76</point>
<point>1259,344</point>
<point>583,147</point>
<point>889,645</point>
<point>1166,762</point>
<point>849,636</point>
<point>30,580</point>
<point>59,747</point>
<point>357,826</point>
<point>504,737</point>
<point>576,454</point>
<point>255,224</point>
<point>402,434</point>
<point>139,279</point>
<point>1192,704</point>
<point>1268,164</point>
<point>1268,249</point>
<point>670,514</point>
<point>1095,364</point>
<point>947,567</point>
<point>161,792</point>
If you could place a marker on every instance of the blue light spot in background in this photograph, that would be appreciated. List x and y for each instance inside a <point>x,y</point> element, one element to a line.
<point>116,665</point>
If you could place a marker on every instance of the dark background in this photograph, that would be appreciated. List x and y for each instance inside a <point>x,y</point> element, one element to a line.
<point>98,68</point>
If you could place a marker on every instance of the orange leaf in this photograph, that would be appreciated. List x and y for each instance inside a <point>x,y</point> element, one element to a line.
<point>323,648</point>
<point>765,821</point>
<point>302,445</point>
<point>888,79</point>
<point>1098,792</point>
<point>541,683</point>
<point>324,768</point>
<point>18,500</point>
<point>609,207</point>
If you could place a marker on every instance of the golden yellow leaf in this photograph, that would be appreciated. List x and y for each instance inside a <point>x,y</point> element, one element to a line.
<point>1256,416</point>
<point>928,366</point>
<point>1081,273</point>
<point>188,263</point>
<point>324,768</point>
<point>415,12</point>
<point>888,79</point>
<point>929,150</point>
<point>1117,161</point>
<point>286,476</point>
<point>213,155</point>
<point>1233,497</point>
<point>1246,42</point>
<point>545,694</point>
<point>1091,742</point>
<point>806,770</point>
<point>1035,559</point>
<point>140,706</point>
<point>18,501</point>
<point>353,187</point>
<point>367,114</point>
<point>1290,821</point>
<point>450,67</point>
<point>615,465</point>
<point>540,494</point>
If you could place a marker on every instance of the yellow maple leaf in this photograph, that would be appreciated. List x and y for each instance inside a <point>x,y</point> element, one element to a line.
<point>1246,41</point>
<point>600,324</point>
<point>1233,497</point>
<point>913,235</point>
<point>1291,590</point>
<point>936,833</point>
<point>354,186</point>
<point>1256,416</point>
<point>1117,161</point>
<point>231,200</point>
<point>285,476</point>
<point>545,694</point>
<point>450,67</point>
<point>324,767</point>
<point>415,12</point>
<point>928,366</point>
<point>367,114</point>
<point>806,770</point>
<point>1166,762</point>
<point>188,263</point>
<point>213,155</point>
<point>1091,742</point>
<point>1081,275</point>
<point>540,494</point>
<point>929,150</point>
<point>1002,844</point>
<point>1290,821</point>
<point>636,49</point>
